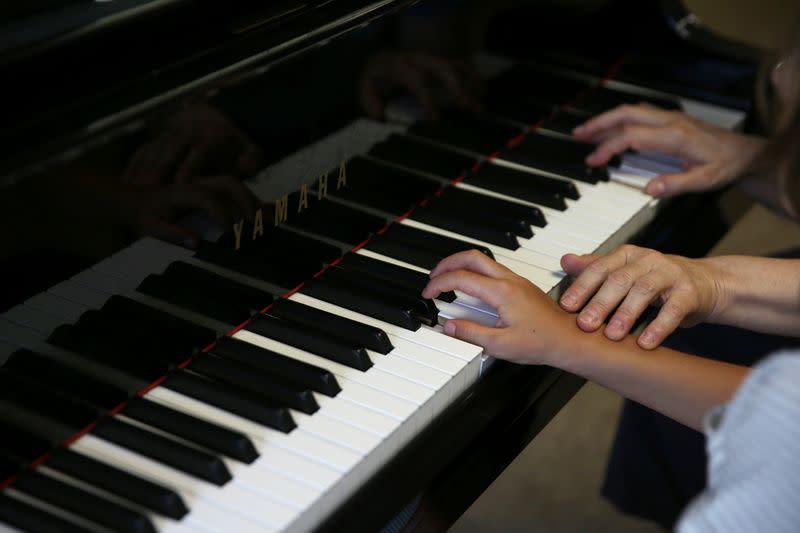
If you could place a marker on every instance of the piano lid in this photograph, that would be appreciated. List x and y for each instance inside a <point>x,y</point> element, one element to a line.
<point>81,69</point>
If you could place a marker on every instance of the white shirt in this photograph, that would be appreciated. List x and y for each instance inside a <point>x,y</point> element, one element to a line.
<point>753,446</point>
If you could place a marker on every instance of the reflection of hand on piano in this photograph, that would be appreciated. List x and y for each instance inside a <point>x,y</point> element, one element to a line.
<point>531,327</point>
<point>199,141</point>
<point>156,210</point>
<point>423,76</point>
<point>712,157</point>
<point>634,278</point>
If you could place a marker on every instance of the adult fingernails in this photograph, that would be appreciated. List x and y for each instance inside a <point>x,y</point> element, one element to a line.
<point>450,328</point>
<point>615,327</point>
<point>569,300</point>
<point>589,317</point>
<point>647,339</point>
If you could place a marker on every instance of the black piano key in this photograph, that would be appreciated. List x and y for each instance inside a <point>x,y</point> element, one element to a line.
<point>385,188</point>
<point>26,517</point>
<point>152,319</point>
<point>310,340</point>
<point>422,308</point>
<point>110,341</point>
<point>286,273</point>
<point>194,298</point>
<point>498,220</point>
<point>9,465</point>
<point>479,202</point>
<point>124,338</point>
<point>206,434</point>
<point>83,503</point>
<point>413,153</point>
<point>535,188</point>
<point>189,460</point>
<point>251,380</point>
<point>145,369</point>
<point>231,399</point>
<point>67,411</point>
<point>65,379</point>
<point>281,241</point>
<point>469,228</point>
<point>345,297</point>
<point>558,156</point>
<point>564,122</point>
<point>339,222</point>
<point>343,328</point>
<point>310,376</point>
<point>22,440</point>
<point>218,286</point>
<point>464,129</point>
<point>432,241</point>
<point>133,488</point>
<point>411,280</point>
<point>405,252</point>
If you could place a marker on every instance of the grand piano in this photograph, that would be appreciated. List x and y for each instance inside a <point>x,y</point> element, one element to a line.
<point>218,219</point>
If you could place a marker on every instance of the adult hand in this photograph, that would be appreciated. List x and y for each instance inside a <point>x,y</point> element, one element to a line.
<point>423,76</point>
<point>711,156</point>
<point>531,328</point>
<point>630,279</point>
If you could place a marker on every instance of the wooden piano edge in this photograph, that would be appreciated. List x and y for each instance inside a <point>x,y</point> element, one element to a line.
<point>455,459</point>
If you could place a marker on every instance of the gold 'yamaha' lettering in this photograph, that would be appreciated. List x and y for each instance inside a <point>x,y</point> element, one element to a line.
<point>237,233</point>
<point>322,187</point>
<point>302,203</point>
<point>342,181</point>
<point>258,225</point>
<point>282,209</point>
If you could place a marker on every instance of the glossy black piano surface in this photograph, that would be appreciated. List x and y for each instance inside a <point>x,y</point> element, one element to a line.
<point>217,221</point>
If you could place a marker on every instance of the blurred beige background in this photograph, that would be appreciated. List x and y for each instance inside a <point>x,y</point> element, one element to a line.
<point>553,486</point>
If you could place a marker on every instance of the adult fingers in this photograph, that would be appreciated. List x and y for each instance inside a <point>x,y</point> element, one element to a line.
<point>613,291</point>
<point>644,291</point>
<point>472,260</point>
<point>574,264</point>
<point>677,307</point>
<point>699,178</point>
<point>595,274</point>
<point>641,114</point>
<point>657,139</point>
<point>239,200</point>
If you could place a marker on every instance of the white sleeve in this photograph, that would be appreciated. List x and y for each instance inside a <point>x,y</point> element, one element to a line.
<point>753,456</point>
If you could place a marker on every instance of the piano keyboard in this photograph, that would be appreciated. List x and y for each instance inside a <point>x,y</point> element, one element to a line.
<point>269,421</point>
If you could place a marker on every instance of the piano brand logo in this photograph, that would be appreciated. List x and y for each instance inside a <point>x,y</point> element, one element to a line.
<point>281,207</point>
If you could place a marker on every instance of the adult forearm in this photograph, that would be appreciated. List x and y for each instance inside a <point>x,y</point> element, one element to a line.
<point>760,294</point>
<point>680,386</point>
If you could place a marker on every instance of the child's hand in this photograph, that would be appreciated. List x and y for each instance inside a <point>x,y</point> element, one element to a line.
<point>531,329</point>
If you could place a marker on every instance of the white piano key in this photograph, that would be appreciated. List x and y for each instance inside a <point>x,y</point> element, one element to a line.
<point>513,259</point>
<point>57,306</point>
<point>367,418</point>
<point>327,460</point>
<point>426,356</point>
<point>375,377</point>
<point>222,508</point>
<point>32,318</point>
<point>324,427</point>
<point>411,370</point>
<point>160,523</point>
